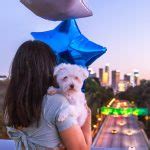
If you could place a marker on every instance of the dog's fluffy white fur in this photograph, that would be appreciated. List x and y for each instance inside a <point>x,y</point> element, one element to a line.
<point>70,79</point>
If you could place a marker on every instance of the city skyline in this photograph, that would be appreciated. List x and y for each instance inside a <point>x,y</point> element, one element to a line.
<point>122,74</point>
<point>110,77</point>
<point>121,26</point>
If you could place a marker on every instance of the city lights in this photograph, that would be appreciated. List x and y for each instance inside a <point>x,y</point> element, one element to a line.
<point>128,132</point>
<point>94,126</point>
<point>99,119</point>
<point>147,118</point>
<point>114,131</point>
<point>118,84</point>
<point>122,123</point>
<point>111,102</point>
<point>124,111</point>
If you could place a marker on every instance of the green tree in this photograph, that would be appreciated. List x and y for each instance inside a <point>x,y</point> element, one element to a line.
<point>96,95</point>
<point>141,95</point>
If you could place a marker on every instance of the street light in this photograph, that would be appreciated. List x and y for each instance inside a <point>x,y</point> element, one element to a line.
<point>147,118</point>
<point>94,126</point>
<point>99,119</point>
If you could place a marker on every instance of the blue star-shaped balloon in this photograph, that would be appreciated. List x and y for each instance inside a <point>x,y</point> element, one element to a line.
<point>69,45</point>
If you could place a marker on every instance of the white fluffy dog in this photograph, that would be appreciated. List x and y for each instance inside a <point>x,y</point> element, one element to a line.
<point>70,79</point>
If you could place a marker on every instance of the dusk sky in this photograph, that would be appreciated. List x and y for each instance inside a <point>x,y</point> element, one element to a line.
<point>123,26</point>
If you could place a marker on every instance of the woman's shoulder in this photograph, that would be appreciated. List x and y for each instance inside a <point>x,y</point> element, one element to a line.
<point>52,105</point>
<point>56,98</point>
<point>53,102</point>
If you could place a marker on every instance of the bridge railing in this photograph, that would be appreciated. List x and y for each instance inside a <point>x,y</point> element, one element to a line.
<point>7,145</point>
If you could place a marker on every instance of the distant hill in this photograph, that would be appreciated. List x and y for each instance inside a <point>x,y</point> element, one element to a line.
<point>3,76</point>
<point>3,87</point>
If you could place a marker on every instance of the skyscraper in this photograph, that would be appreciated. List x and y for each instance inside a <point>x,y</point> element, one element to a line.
<point>136,79</point>
<point>115,79</point>
<point>107,68</point>
<point>91,72</point>
<point>127,77</point>
<point>122,86</point>
<point>101,75</point>
<point>105,78</point>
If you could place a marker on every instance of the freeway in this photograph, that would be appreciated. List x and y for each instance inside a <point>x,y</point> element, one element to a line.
<point>120,133</point>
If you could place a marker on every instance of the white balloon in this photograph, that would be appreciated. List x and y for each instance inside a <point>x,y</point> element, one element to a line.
<point>58,9</point>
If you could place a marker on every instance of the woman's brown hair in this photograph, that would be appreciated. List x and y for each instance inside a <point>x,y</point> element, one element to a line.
<point>31,75</point>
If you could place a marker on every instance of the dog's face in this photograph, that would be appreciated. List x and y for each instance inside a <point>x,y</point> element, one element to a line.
<point>70,77</point>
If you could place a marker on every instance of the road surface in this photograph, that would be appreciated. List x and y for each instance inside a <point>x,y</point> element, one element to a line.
<point>127,135</point>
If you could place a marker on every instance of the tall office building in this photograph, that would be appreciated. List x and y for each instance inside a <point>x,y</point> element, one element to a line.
<point>105,79</point>
<point>101,75</point>
<point>136,79</point>
<point>92,73</point>
<point>107,68</point>
<point>127,78</point>
<point>122,86</point>
<point>115,79</point>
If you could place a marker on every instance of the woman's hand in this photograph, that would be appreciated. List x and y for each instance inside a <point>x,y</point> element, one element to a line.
<point>87,124</point>
<point>86,128</point>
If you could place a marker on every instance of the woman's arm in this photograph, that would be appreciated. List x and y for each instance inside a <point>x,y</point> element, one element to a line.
<point>77,138</point>
<point>86,129</point>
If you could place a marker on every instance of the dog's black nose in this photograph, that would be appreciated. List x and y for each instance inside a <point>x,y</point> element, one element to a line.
<point>72,86</point>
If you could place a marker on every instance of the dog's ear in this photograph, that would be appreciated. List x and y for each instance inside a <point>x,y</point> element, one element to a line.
<point>85,73</point>
<point>59,68</point>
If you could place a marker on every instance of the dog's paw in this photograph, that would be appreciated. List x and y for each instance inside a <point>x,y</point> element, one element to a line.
<point>62,116</point>
<point>73,111</point>
<point>51,90</point>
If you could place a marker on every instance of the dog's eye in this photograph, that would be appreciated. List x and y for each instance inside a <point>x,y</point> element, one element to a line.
<point>65,78</point>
